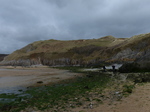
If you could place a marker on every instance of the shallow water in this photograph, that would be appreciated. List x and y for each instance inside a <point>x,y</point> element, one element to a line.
<point>13,84</point>
<point>15,90</point>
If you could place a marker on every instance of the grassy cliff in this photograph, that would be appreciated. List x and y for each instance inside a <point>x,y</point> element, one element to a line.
<point>73,52</point>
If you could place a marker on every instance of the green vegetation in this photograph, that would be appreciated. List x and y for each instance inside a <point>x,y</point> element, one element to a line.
<point>57,96</point>
<point>128,89</point>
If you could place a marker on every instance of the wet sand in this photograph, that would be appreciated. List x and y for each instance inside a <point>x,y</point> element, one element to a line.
<point>19,77</point>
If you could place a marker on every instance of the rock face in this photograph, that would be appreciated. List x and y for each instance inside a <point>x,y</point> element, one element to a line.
<point>83,52</point>
<point>126,55</point>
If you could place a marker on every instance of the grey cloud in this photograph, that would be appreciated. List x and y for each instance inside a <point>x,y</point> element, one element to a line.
<point>26,21</point>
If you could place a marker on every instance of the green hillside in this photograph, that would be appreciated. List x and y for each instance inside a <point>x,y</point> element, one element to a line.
<point>58,52</point>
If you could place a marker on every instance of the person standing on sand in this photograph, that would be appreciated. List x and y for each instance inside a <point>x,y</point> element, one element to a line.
<point>113,68</point>
<point>104,68</point>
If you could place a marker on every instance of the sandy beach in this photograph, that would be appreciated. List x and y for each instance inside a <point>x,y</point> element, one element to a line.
<point>11,77</point>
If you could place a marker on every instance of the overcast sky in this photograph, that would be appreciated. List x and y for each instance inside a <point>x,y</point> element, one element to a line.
<point>25,21</point>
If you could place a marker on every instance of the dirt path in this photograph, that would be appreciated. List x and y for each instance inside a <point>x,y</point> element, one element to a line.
<point>138,101</point>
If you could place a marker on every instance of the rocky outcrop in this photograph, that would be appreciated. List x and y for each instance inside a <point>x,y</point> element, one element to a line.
<point>126,55</point>
<point>142,62</point>
<point>144,56</point>
<point>54,62</point>
<point>21,62</point>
